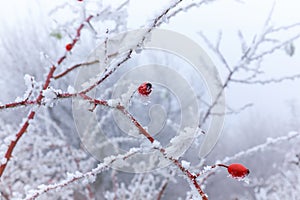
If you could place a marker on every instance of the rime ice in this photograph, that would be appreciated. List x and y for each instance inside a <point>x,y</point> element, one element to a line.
<point>50,95</point>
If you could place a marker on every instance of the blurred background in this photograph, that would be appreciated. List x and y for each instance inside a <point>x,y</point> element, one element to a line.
<point>262,100</point>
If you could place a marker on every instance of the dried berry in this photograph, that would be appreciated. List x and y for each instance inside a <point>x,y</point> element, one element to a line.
<point>145,89</point>
<point>69,47</point>
<point>237,170</point>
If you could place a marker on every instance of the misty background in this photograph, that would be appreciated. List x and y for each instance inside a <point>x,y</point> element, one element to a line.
<point>274,107</point>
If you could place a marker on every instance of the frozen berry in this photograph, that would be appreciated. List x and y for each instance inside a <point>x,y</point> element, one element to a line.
<point>145,89</point>
<point>69,47</point>
<point>237,170</point>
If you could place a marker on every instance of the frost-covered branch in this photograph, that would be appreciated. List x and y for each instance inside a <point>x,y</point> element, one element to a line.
<point>232,111</point>
<point>251,55</point>
<point>268,81</point>
<point>39,99</point>
<point>261,147</point>
<point>18,104</point>
<point>143,131</point>
<point>249,62</point>
<point>73,68</point>
<point>156,22</point>
<point>90,176</point>
<point>162,189</point>
<point>156,144</point>
<point>210,170</point>
<point>187,7</point>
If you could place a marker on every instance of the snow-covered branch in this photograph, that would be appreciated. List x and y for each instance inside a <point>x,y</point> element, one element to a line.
<point>73,177</point>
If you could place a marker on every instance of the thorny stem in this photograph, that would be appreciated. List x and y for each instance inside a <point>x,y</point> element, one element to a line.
<point>31,115</point>
<point>14,142</point>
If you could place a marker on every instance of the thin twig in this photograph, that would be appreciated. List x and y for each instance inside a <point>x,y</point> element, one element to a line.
<point>74,67</point>
<point>162,189</point>
<point>268,81</point>
<point>77,176</point>
<point>38,100</point>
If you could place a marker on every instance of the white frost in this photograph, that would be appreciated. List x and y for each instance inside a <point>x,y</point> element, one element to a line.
<point>28,80</point>
<point>9,139</point>
<point>3,161</point>
<point>180,143</point>
<point>18,99</point>
<point>125,98</point>
<point>50,95</point>
<point>134,131</point>
<point>156,144</point>
<point>71,90</point>
<point>185,164</point>
<point>292,134</point>
<point>113,102</point>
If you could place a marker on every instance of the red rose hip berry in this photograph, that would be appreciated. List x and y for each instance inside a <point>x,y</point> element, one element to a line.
<point>69,47</point>
<point>237,170</point>
<point>145,89</point>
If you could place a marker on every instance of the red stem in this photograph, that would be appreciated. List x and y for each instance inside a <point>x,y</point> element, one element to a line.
<point>16,104</point>
<point>136,123</point>
<point>161,192</point>
<point>14,142</point>
<point>38,100</point>
<point>151,139</point>
<point>74,67</point>
<point>221,165</point>
<point>190,176</point>
<point>213,166</point>
<point>24,127</point>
